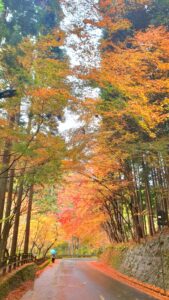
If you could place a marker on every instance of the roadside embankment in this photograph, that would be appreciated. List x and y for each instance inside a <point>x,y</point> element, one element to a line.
<point>147,262</point>
<point>16,278</point>
<point>148,289</point>
<point>15,284</point>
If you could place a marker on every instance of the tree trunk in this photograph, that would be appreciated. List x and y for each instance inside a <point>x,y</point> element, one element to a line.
<point>7,224</point>
<point>148,199</point>
<point>17,218</point>
<point>28,220</point>
<point>4,180</point>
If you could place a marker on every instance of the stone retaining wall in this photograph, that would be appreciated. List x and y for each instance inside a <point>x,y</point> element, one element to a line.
<point>143,261</point>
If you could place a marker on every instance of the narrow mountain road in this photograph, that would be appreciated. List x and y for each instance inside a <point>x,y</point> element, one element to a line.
<point>74,279</point>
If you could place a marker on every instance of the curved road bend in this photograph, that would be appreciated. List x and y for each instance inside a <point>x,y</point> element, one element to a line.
<point>74,279</point>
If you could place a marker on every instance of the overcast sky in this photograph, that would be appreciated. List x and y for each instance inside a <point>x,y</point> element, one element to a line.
<point>82,51</point>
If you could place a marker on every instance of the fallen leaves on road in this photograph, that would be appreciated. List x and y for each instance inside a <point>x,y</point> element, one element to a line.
<point>151,290</point>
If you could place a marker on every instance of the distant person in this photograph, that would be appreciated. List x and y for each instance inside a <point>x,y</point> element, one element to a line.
<point>53,254</point>
<point>53,258</point>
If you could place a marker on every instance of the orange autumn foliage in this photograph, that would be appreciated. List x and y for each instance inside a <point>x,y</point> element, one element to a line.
<point>138,73</point>
<point>80,213</point>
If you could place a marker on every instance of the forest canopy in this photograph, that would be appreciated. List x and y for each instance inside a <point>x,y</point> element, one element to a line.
<point>106,180</point>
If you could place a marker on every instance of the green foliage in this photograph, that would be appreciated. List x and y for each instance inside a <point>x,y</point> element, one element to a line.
<point>28,18</point>
<point>1,6</point>
<point>81,251</point>
<point>110,93</point>
<point>112,98</point>
<point>156,13</point>
<point>159,13</point>
<point>62,249</point>
<point>48,203</point>
<point>44,265</point>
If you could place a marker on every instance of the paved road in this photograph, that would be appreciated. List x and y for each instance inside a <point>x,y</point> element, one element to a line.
<point>74,279</point>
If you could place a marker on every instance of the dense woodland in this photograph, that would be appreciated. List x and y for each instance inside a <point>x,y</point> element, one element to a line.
<point>109,180</point>
<point>33,75</point>
<point>124,176</point>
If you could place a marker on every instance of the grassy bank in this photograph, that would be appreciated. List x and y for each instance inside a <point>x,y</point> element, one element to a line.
<point>16,278</point>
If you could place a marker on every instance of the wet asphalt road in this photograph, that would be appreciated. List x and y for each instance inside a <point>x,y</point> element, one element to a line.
<point>74,279</point>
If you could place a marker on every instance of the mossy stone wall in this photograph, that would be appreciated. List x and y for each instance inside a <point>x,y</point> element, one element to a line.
<point>144,261</point>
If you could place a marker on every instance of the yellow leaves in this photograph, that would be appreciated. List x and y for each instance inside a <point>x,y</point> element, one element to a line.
<point>42,155</point>
<point>43,93</point>
<point>26,48</point>
<point>166,102</point>
<point>117,8</point>
<point>140,74</point>
<point>89,105</point>
<point>3,123</point>
<point>49,96</point>
<point>43,230</point>
<point>37,56</point>
<point>148,116</point>
<point>56,39</point>
<point>154,38</point>
<point>112,26</point>
<point>68,165</point>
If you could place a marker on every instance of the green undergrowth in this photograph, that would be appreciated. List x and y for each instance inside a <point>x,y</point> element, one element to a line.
<point>44,265</point>
<point>16,278</point>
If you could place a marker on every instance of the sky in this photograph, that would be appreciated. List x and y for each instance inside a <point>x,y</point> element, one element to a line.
<point>82,51</point>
